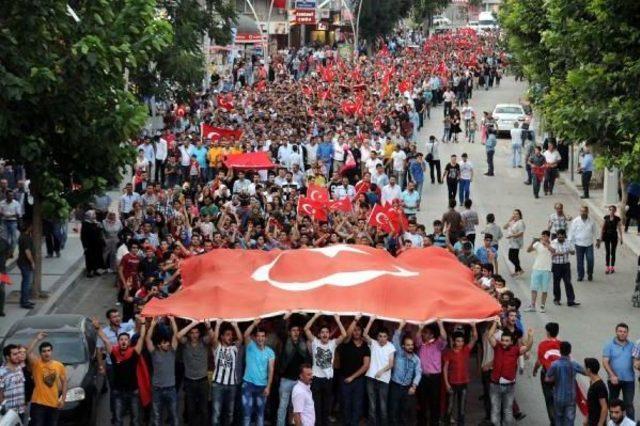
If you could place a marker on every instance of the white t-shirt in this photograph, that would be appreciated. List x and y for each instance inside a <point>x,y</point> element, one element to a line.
<point>466,170</point>
<point>516,136</point>
<point>543,257</point>
<point>552,157</point>
<point>323,358</point>
<point>398,158</point>
<point>302,401</point>
<point>380,356</point>
<point>371,164</point>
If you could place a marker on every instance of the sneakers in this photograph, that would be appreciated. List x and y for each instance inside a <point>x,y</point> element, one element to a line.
<point>607,271</point>
<point>530,308</point>
<point>542,310</point>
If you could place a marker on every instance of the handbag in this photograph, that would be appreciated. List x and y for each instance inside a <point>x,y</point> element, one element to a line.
<point>430,154</point>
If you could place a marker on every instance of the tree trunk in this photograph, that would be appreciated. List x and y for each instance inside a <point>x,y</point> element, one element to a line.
<point>623,199</point>
<point>36,289</point>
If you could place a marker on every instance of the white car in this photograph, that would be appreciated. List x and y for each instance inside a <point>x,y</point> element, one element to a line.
<point>507,114</point>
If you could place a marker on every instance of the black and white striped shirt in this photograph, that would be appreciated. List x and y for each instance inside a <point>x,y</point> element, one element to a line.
<point>225,359</point>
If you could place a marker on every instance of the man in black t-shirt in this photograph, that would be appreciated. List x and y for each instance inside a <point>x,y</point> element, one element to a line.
<point>452,175</point>
<point>597,396</point>
<point>124,358</point>
<point>294,354</point>
<point>354,356</point>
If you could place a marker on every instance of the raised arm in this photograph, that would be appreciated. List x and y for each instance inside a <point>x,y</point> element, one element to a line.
<point>214,333</point>
<point>492,333</point>
<point>352,326</point>
<point>443,331</point>
<point>140,342</point>
<point>174,334</point>
<point>528,343</point>
<point>365,333</point>
<point>182,334</point>
<point>474,336</point>
<point>33,357</point>
<point>343,332</point>
<point>308,325</point>
<point>101,335</point>
<point>238,333</point>
<point>249,330</point>
<point>147,339</point>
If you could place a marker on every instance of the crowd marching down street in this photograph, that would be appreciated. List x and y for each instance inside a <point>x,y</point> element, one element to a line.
<point>319,151</point>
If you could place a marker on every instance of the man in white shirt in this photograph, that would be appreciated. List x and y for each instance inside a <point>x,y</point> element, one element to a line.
<point>379,374</point>
<point>618,415</point>
<point>312,152</point>
<point>582,232</point>
<point>541,269</point>
<point>467,115</point>
<point>516,146</point>
<point>161,159</point>
<point>241,184</point>
<point>390,192</point>
<point>10,212</point>
<point>466,176</point>
<point>372,162</point>
<point>127,200</point>
<point>398,160</point>
<point>302,399</point>
<point>338,153</point>
<point>284,152</point>
<point>552,157</point>
<point>344,191</point>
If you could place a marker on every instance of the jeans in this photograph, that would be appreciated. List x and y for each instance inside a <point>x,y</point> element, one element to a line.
<point>610,251</point>
<point>547,393</point>
<point>164,399</point>
<point>430,398</point>
<point>11,228</point>
<point>586,179</point>
<point>490,161</point>
<point>126,401</point>
<point>550,176</point>
<point>516,154</point>
<point>628,390</point>
<point>42,415</point>
<point>378,395</point>
<point>223,398</point>
<point>196,400</point>
<point>456,403</point>
<point>352,401</point>
<point>452,188</point>
<point>514,257</point>
<point>25,286</point>
<point>447,107</point>
<point>486,400</point>
<point>253,399</point>
<point>322,390</point>
<point>502,397</point>
<point>565,414</point>
<point>581,253</point>
<point>535,180</point>
<point>159,171</point>
<point>402,406</point>
<point>527,167</point>
<point>464,190</point>
<point>286,387</point>
<point>562,272</point>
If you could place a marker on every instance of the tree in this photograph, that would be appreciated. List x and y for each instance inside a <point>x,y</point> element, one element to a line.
<point>65,112</point>
<point>424,10</point>
<point>179,70</point>
<point>379,17</point>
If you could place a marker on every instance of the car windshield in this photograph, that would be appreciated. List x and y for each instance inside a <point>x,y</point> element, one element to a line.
<point>509,110</point>
<point>68,348</point>
<point>487,22</point>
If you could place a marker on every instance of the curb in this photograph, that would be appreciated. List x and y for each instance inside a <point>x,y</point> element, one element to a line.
<point>629,243</point>
<point>70,280</point>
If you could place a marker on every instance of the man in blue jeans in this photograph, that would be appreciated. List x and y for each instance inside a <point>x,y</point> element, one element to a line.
<point>258,374</point>
<point>226,372</point>
<point>294,354</point>
<point>617,359</point>
<point>163,381</point>
<point>466,176</point>
<point>355,356</point>
<point>562,374</point>
<point>582,232</point>
<point>26,263</point>
<point>490,146</point>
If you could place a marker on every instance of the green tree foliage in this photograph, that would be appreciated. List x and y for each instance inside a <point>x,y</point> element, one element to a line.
<point>424,10</point>
<point>586,57</point>
<point>379,17</point>
<point>180,68</point>
<point>65,112</point>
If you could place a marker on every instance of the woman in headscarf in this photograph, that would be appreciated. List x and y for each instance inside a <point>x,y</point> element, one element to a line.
<point>111,227</point>
<point>93,243</point>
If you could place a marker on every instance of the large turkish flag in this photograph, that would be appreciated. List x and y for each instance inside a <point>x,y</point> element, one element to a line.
<point>421,285</point>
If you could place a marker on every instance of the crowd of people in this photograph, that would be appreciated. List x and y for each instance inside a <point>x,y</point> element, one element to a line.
<point>349,129</point>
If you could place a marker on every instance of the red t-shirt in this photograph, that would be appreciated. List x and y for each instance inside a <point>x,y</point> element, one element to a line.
<point>505,363</point>
<point>130,267</point>
<point>458,365</point>
<point>548,351</point>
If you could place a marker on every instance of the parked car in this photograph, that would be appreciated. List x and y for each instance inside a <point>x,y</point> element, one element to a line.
<point>74,344</point>
<point>486,21</point>
<point>507,114</point>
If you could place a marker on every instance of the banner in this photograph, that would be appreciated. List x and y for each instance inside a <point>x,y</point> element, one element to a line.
<point>420,285</point>
<point>216,133</point>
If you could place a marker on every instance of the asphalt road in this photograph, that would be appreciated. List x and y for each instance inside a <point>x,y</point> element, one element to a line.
<point>605,301</point>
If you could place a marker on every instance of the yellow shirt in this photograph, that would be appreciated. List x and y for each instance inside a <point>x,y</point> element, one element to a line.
<point>388,149</point>
<point>48,378</point>
<point>214,155</point>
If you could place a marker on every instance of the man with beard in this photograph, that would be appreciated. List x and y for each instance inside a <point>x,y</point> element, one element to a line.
<point>124,360</point>
<point>354,357</point>
<point>405,377</point>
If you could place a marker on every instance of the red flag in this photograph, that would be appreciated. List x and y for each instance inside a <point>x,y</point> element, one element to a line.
<point>307,91</point>
<point>5,279</point>
<point>318,193</point>
<point>314,209</point>
<point>380,218</point>
<point>280,4</point>
<point>348,107</point>
<point>405,86</point>
<point>398,218</point>
<point>216,133</point>
<point>343,205</point>
<point>581,400</point>
<point>325,94</point>
<point>226,102</point>
<point>260,86</point>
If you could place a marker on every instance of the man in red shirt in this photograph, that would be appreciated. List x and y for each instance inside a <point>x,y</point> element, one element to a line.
<point>456,374</point>
<point>129,275</point>
<point>548,351</point>
<point>503,376</point>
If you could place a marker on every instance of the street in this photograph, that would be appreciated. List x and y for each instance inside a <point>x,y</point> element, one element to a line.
<point>605,301</point>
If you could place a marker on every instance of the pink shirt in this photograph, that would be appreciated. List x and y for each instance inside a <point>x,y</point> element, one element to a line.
<point>430,354</point>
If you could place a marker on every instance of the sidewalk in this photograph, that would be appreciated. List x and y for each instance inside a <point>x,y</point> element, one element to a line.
<point>59,276</point>
<point>598,210</point>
